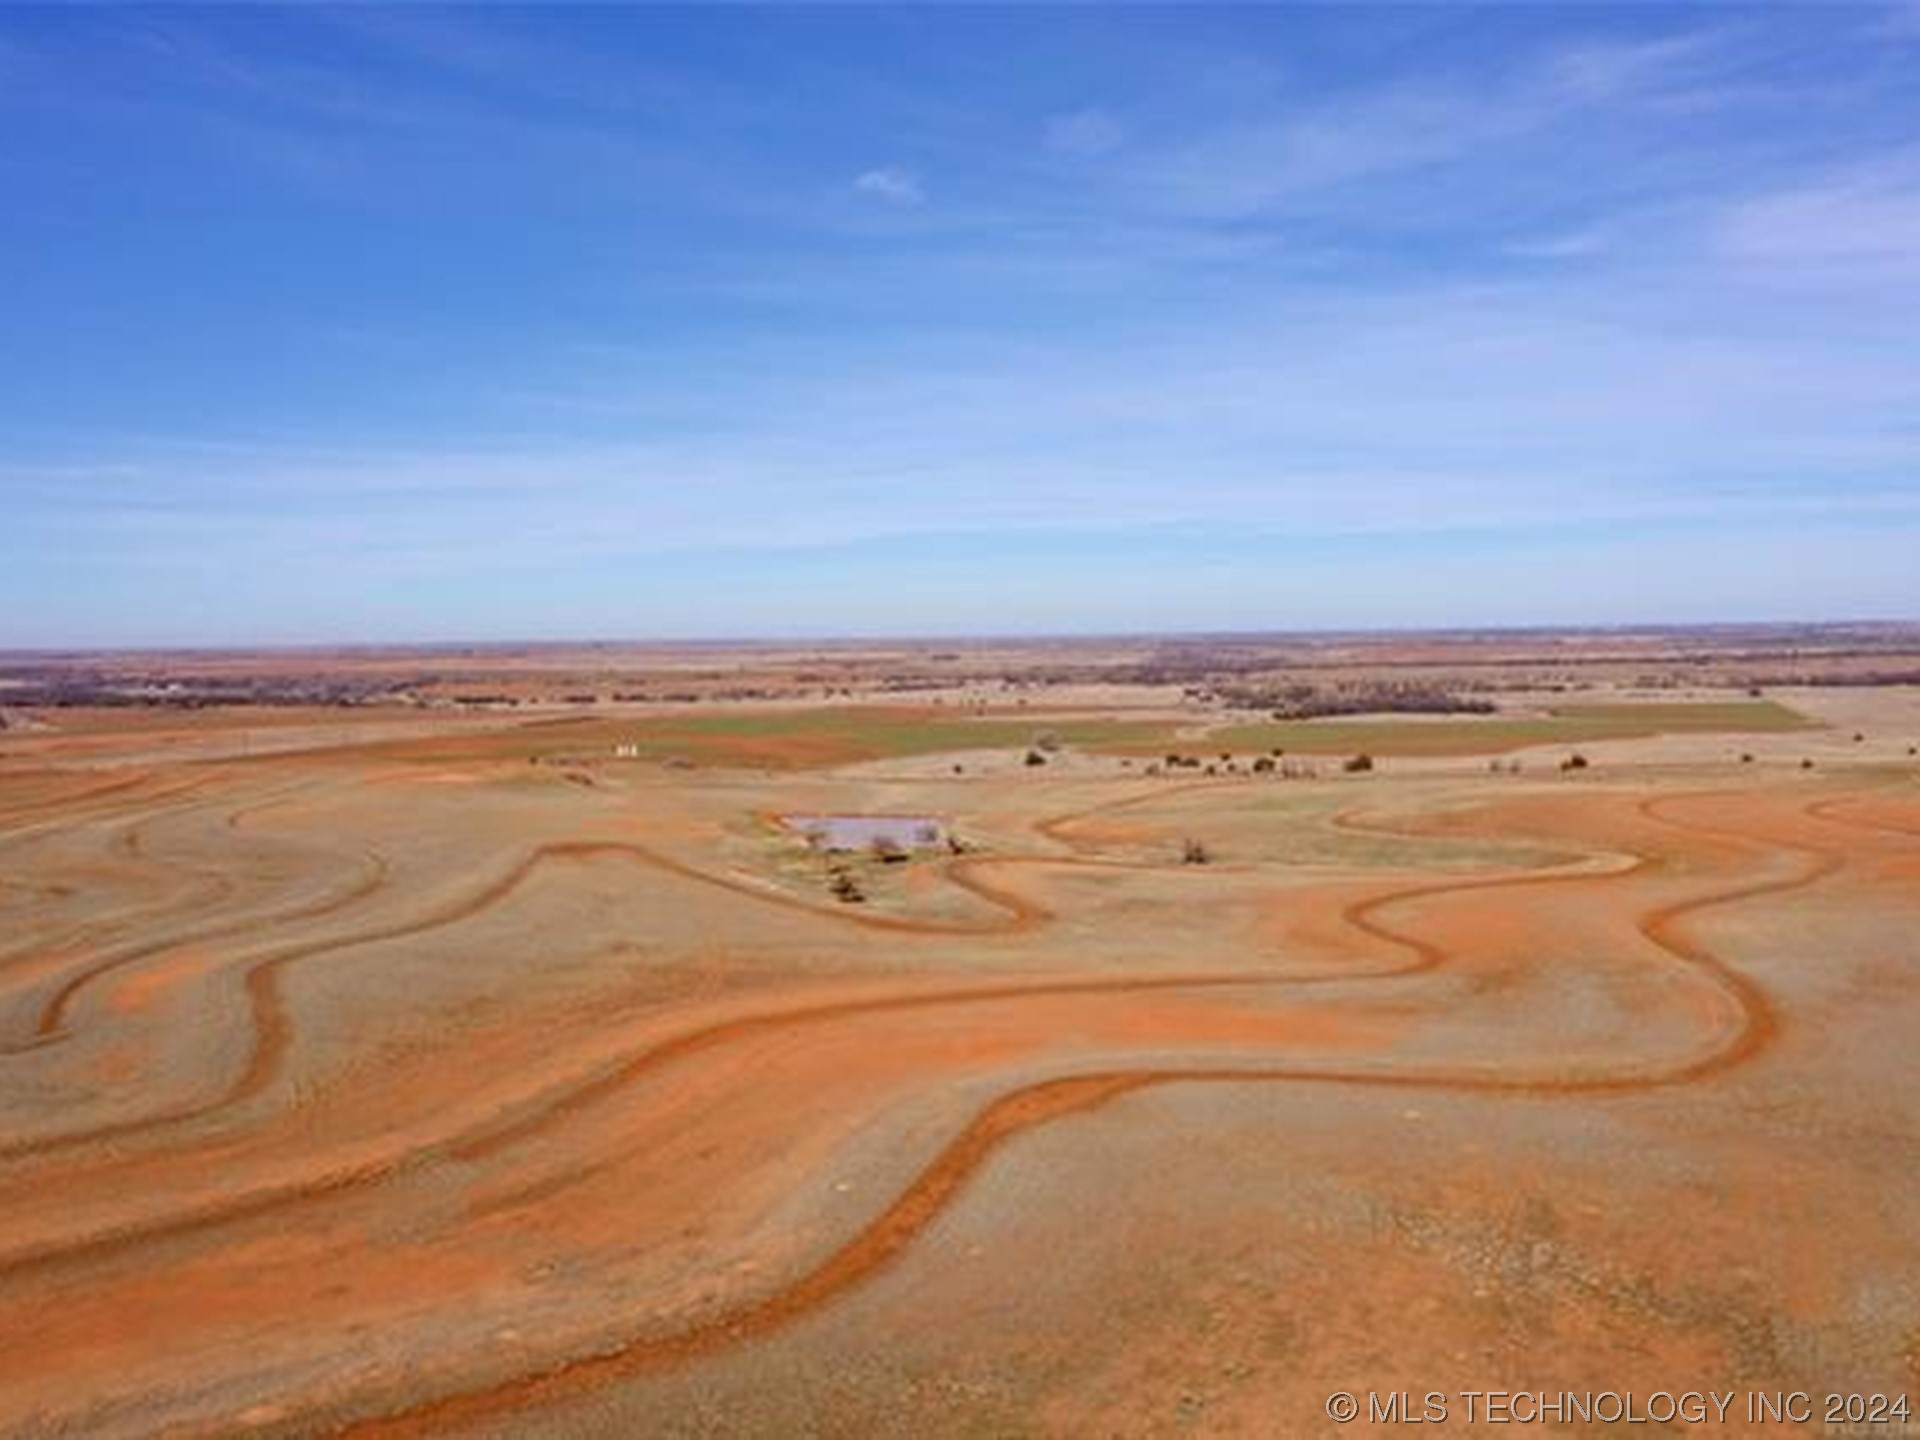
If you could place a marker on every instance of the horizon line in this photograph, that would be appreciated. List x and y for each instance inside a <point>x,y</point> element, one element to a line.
<point>825,639</point>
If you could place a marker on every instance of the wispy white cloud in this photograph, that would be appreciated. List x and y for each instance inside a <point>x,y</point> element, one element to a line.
<point>1509,410</point>
<point>1294,156</point>
<point>1601,72</point>
<point>1861,226</point>
<point>1278,162</point>
<point>1505,301</point>
<point>891,184</point>
<point>1581,244</point>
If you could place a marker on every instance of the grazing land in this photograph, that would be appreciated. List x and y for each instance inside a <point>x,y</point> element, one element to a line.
<point>1558,724</point>
<point>464,1042</point>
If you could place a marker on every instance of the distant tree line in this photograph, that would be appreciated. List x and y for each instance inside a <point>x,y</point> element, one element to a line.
<point>1302,700</point>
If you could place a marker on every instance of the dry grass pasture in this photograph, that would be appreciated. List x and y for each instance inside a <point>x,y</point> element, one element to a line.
<point>514,1070</point>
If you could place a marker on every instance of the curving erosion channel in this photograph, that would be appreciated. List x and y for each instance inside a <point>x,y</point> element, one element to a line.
<point>337,1102</point>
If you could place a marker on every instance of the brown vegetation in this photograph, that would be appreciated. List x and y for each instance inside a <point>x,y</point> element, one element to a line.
<point>401,1086</point>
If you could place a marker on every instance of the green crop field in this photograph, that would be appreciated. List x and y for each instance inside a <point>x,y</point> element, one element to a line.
<point>785,739</point>
<point>1488,735</point>
<point>840,735</point>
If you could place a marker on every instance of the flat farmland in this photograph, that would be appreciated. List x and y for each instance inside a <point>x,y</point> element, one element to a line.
<point>787,737</point>
<point>527,1076</point>
<point>1487,735</point>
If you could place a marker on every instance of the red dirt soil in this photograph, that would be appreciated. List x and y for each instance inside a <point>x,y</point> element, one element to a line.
<point>377,1161</point>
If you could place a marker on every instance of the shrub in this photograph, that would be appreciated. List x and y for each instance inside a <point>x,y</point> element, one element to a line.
<point>1034,757</point>
<point>1194,852</point>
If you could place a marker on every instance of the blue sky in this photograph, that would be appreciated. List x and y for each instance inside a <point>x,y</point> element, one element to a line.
<point>425,323</point>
